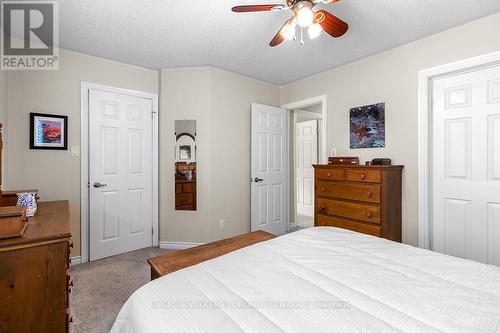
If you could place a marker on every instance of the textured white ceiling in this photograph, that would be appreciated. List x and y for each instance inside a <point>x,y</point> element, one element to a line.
<point>166,33</point>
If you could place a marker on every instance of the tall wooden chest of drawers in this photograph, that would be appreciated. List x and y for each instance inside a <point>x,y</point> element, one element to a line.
<point>34,279</point>
<point>365,199</point>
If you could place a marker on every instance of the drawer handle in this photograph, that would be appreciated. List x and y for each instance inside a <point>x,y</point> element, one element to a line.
<point>329,174</point>
<point>71,245</point>
<point>369,214</point>
<point>322,209</point>
<point>323,189</point>
<point>369,194</point>
<point>70,320</point>
<point>363,176</point>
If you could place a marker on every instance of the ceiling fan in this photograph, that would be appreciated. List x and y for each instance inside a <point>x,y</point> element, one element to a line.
<point>304,16</point>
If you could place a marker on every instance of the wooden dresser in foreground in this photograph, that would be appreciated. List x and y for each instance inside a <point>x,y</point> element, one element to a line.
<point>365,199</point>
<point>34,279</point>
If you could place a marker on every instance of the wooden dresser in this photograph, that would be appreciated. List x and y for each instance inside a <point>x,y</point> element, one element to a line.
<point>185,194</point>
<point>34,279</point>
<point>365,199</point>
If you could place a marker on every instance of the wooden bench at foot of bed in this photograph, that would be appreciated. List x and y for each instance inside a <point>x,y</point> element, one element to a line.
<point>171,262</point>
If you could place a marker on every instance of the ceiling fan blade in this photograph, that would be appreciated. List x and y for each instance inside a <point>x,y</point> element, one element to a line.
<point>280,36</point>
<point>331,24</point>
<point>277,39</point>
<point>330,1</point>
<point>257,8</point>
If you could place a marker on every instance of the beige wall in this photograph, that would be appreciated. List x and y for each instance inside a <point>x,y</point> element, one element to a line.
<point>231,97</point>
<point>55,173</point>
<point>3,96</point>
<point>185,94</point>
<point>220,103</point>
<point>3,114</point>
<point>391,77</point>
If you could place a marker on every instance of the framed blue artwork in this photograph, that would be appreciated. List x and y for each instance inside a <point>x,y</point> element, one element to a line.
<point>367,126</point>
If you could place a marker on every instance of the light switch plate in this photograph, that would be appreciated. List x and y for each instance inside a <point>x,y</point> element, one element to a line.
<point>75,151</point>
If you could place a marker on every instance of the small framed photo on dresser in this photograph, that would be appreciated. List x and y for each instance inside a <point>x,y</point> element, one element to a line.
<point>48,131</point>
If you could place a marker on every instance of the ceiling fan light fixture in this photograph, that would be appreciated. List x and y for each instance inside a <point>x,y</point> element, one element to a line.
<point>277,8</point>
<point>304,13</point>
<point>288,30</point>
<point>314,30</point>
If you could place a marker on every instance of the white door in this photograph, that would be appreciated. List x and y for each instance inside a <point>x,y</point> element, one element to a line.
<point>120,171</point>
<point>466,165</point>
<point>269,162</point>
<point>306,152</point>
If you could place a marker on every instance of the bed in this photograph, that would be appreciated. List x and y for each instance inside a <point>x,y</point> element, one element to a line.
<point>320,280</point>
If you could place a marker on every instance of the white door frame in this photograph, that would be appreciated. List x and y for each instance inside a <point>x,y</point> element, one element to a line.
<point>308,102</point>
<point>425,78</point>
<point>324,138</point>
<point>84,161</point>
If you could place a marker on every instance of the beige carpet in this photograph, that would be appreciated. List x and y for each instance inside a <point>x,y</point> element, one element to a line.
<point>102,287</point>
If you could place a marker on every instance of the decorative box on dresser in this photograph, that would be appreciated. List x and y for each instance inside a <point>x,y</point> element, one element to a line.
<point>365,199</point>
<point>34,279</point>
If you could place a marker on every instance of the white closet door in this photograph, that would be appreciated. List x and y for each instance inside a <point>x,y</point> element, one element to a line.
<point>307,154</point>
<point>466,165</point>
<point>269,162</point>
<point>120,142</point>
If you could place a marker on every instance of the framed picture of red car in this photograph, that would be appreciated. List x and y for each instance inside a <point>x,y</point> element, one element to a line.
<point>48,131</point>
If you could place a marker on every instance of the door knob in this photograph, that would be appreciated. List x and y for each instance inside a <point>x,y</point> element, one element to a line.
<point>258,180</point>
<point>97,184</point>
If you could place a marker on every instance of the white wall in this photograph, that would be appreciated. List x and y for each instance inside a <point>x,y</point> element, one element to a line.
<point>219,101</point>
<point>55,173</point>
<point>391,77</point>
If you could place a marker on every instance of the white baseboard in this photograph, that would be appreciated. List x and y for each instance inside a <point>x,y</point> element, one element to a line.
<point>76,260</point>
<point>178,245</point>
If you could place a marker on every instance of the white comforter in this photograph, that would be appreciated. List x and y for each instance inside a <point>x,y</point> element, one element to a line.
<point>320,280</point>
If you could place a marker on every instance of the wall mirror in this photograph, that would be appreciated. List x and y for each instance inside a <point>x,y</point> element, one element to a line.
<point>185,165</point>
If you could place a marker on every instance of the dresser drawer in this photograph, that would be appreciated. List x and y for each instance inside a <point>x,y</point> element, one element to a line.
<point>350,210</point>
<point>344,224</point>
<point>185,207</point>
<point>189,187</point>
<point>330,174</point>
<point>178,188</point>
<point>365,193</point>
<point>368,176</point>
<point>184,199</point>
